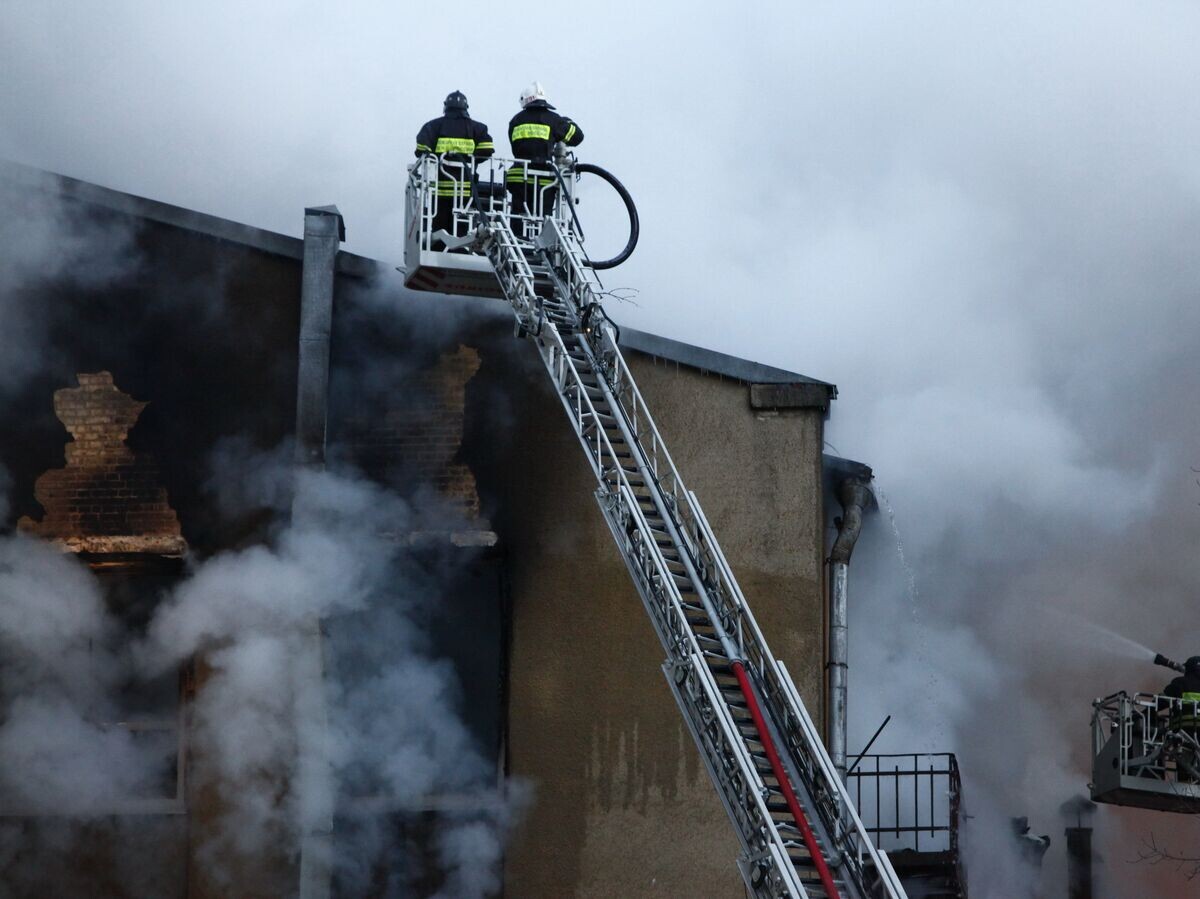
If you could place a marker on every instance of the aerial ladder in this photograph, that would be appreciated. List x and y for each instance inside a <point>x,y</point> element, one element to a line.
<point>800,835</point>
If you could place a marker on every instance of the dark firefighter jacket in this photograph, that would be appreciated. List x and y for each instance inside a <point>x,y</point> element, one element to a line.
<point>1186,687</point>
<point>458,137</point>
<point>533,132</point>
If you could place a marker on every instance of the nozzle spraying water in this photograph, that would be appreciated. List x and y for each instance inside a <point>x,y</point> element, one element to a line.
<point>1160,659</point>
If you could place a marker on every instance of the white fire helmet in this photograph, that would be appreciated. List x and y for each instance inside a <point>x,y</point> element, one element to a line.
<point>532,93</point>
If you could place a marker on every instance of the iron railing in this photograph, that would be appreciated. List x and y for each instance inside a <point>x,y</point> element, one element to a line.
<point>909,801</point>
<point>482,184</point>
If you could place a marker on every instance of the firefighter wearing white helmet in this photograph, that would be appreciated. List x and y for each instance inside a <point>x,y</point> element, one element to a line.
<point>533,132</point>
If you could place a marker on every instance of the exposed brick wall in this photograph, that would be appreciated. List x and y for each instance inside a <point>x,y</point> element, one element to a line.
<point>417,435</point>
<point>106,499</point>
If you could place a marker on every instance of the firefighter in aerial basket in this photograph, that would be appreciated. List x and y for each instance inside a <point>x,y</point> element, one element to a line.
<point>1185,721</point>
<point>456,139</point>
<point>533,132</point>
<point>1187,688</point>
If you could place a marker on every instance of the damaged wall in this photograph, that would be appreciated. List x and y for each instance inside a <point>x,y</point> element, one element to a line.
<point>155,419</point>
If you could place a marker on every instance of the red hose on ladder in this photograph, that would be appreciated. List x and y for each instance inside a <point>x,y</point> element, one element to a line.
<point>785,785</point>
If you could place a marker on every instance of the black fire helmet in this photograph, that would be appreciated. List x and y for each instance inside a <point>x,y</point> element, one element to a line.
<point>1192,665</point>
<point>455,100</point>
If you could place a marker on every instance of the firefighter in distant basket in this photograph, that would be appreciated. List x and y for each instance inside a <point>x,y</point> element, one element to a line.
<point>455,138</point>
<point>1187,688</point>
<point>1183,740</point>
<point>533,132</point>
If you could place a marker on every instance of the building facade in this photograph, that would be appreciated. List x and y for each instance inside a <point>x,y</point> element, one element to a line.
<point>176,367</point>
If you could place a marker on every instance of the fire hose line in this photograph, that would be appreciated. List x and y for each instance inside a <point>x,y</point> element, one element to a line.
<point>630,209</point>
<point>785,785</point>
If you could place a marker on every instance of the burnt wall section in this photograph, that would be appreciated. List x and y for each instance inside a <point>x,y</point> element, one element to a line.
<point>188,342</point>
<point>412,436</point>
<point>202,330</point>
<point>402,382</point>
<point>403,385</point>
<point>107,499</point>
<point>190,347</point>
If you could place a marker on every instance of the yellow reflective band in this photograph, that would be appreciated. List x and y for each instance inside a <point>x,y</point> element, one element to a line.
<point>455,145</point>
<point>425,147</point>
<point>1191,697</point>
<point>531,132</point>
<point>485,145</point>
<point>570,132</point>
<point>519,178</point>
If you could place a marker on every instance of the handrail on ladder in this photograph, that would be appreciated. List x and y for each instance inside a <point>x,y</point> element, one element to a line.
<point>778,711</point>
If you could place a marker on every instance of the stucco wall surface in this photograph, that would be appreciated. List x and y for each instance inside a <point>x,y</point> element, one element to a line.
<point>623,805</point>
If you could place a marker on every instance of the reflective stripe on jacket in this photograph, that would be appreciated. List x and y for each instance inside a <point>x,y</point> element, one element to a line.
<point>1189,716</point>
<point>1186,687</point>
<point>537,127</point>
<point>453,188</point>
<point>457,135</point>
<point>519,174</point>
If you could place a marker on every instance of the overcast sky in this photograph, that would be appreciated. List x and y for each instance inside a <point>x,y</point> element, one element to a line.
<point>979,220</point>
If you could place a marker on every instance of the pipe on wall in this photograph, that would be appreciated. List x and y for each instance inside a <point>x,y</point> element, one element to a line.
<point>855,495</point>
<point>324,230</point>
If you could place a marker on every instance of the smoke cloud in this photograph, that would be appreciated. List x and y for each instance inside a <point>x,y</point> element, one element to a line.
<point>60,674</point>
<point>46,241</point>
<point>978,221</point>
<point>394,740</point>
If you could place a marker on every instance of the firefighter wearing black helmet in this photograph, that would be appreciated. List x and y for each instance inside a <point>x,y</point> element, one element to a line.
<point>456,138</point>
<point>533,132</point>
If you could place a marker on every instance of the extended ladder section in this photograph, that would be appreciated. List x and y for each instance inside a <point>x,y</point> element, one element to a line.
<point>799,833</point>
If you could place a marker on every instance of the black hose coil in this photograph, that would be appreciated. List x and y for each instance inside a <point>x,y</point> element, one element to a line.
<point>584,168</point>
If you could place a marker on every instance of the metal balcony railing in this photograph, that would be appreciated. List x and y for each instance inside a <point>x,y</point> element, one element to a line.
<point>467,185</point>
<point>909,801</point>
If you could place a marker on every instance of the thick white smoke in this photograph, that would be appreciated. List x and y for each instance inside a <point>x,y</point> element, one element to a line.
<point>61,665</point>
<point>394,734</point>
<point>393,728</point>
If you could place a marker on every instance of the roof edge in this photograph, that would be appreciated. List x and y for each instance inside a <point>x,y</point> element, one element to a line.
<point>812,392</point>
<point>176,216</point>
<point>716,362</point>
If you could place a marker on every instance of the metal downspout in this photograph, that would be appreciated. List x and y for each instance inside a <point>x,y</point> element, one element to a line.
<point>855,495</point>
<point>324,231</point>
